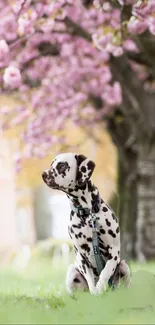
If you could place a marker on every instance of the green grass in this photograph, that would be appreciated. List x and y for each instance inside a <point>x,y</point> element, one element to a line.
<point>37,295</point>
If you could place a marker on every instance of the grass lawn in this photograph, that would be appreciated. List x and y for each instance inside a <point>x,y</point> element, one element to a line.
<point>36,295</point>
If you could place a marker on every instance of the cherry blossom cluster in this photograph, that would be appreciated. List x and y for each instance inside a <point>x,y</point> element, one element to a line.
<point>55,55</point>
<point>142,18</point>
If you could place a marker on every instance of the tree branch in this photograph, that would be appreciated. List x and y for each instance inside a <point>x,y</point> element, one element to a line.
<point>22,6</point>
<point>76,29</point>
<point>140,58</point>
<point>45,49</point>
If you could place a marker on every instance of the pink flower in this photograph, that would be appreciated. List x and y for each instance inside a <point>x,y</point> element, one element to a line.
<point>26,23</point>
<point>112,94</point>
<point>47,27</point>
<point>136,26</point>
<point>114,50</point>
<point>21,117</point>
<point>12,77</point>
<point>117,93</point>
<point>4,53</point>
<point>20,4</point>
<point>130,46</point>
<point>8,27</point>
<point>118,51</point>
<point>4,49</point>
<point>151,23</point>
<point>54,7</point>
<point>16,6</point>
<point>102,41</point>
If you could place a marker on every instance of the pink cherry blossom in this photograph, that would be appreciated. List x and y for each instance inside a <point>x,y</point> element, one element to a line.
<point>102,41</point>
<point>19,5</point>
<point>4,49</point>
<point>4,53</point>
<point>151,24</point>
<point>136,26</point>
<point>8,27</point>
<point>20,118</point>
<point>12,77</point>
<point>26,23</point>
<point>130,46</point>
<point>113,94</point>
<point>117,51</point>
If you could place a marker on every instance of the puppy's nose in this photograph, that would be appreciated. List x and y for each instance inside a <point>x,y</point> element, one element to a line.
<point>44,175</point>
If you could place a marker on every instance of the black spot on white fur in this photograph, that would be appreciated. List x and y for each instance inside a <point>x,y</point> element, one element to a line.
<point>114,217</point>
<point>90,165</point>
<point>110,232</point>
<point>83,169</point>
<point>102,231</point>
<point>83,199</point>
<point>104,209</point>
<point>85,247</point>
<point>108,223</point>
<point>62,167</point>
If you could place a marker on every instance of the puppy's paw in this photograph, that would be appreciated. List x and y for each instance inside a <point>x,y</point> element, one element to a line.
<point>93,291</point>
<point>100,287</point>
<point>69,291</point>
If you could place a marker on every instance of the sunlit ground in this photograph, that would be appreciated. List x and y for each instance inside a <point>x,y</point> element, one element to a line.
<point>36,295</point>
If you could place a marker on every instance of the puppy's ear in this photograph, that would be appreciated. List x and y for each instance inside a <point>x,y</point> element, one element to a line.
<point>85,168</point>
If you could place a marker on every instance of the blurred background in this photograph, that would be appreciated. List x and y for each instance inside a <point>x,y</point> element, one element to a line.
<point>76,77</point>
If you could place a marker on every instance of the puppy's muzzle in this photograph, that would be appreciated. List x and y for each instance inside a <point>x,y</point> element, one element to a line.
<point>49,179</point>
<point>44,176</point>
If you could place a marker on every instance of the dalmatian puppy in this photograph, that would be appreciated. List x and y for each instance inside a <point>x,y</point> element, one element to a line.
<point>71,173</point>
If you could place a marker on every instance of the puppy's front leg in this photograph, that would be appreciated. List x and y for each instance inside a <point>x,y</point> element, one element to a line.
<point>89,276</point>
<point>108,271</point>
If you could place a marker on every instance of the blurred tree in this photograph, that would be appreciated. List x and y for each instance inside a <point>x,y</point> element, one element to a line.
<point>87,61</point>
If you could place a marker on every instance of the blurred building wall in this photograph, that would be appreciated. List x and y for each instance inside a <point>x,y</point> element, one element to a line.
<point>16,206</point>
<point>43,217</point>
<point>60,208</point>
<point>24,216</point>
<point>8,231</point>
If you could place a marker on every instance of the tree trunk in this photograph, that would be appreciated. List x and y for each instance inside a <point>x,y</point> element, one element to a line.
<point>136,182</point>
<point>136,190</point>
<point>127,181</point>
<point>127,191</point>
<point>145,225</point>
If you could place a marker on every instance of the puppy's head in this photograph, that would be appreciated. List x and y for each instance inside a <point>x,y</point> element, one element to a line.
<point>68,170</point>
